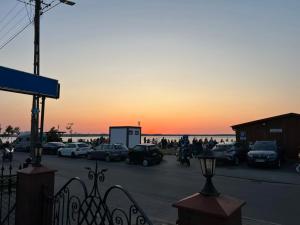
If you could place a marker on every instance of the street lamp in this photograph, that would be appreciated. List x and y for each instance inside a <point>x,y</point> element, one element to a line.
<point>208,165</point>
<point>67,2</point>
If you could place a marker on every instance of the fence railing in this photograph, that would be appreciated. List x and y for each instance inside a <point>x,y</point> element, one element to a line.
<point>8,183</point>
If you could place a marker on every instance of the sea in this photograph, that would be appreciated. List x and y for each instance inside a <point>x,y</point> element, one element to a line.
<point>157,138</point>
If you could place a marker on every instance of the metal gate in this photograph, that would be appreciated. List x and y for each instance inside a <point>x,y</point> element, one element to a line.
<point>77,206</point>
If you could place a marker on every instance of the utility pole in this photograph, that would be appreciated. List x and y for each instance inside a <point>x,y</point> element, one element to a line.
<point>36,137</point>
<point>35,101</point>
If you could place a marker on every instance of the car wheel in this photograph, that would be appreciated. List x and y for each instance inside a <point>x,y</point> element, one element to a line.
<point>73,155</point>
<point>128,161</point>
<point>59,154</point>
<point>107,158</point>
<point>298,168</point>
<point>89,156</point>
<point>27,149</point>
<point>236,161</point>
<point>145,162</point>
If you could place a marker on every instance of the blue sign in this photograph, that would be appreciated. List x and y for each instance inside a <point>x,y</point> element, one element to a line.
<point>27,83</point>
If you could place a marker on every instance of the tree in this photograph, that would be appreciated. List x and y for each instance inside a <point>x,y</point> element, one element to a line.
<point>9,131</point>
<point>16,130</point>
<point>69,128</point>
<point>53,135</point>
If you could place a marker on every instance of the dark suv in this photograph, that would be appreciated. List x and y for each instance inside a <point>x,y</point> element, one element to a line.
<point>145,154</point>
<point>233,153</point>
<point>265,153</point>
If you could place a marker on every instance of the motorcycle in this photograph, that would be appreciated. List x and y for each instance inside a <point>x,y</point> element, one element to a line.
<point>183,157</point>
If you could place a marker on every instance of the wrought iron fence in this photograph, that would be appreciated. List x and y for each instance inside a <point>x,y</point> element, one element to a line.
<point>8,183</point>
<point>93,208</point>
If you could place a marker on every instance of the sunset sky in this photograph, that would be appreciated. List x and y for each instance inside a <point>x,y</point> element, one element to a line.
<point>178,66</point>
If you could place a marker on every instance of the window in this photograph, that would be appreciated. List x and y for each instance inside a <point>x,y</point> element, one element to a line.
<point>130,132</point>
<point>152,148</point>
<point>137,132</point>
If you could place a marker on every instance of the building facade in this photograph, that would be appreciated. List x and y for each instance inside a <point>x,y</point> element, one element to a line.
<point>284,129</point>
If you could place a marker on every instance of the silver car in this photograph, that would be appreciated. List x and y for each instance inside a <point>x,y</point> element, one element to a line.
<point>109,152</point>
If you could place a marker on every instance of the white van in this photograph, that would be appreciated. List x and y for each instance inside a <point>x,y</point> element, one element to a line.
<point>22,143</point>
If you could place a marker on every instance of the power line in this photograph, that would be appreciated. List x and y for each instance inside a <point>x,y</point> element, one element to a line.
<point>29,16</point>
<point>10,11</point>
<point>9,22</point>
<point>50,6</point>
<point>14,36</point>
<point>27,25</point>
<point>17,24</point>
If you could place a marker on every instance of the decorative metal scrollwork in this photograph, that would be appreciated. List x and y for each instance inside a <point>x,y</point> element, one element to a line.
<point>93,209</point>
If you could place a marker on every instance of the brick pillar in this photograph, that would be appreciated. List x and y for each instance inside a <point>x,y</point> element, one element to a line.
<point>34,184</point>
<point>198,209</point>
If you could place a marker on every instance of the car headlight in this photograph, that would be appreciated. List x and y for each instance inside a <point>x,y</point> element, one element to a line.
<point>250,155</point>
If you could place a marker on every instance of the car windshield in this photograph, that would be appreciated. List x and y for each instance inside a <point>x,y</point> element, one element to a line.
<point>264,146</point>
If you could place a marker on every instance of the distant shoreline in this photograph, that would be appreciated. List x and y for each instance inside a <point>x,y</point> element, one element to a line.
<point>92,135</point>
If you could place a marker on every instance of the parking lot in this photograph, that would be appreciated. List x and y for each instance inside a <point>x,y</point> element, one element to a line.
<point>271,194</point>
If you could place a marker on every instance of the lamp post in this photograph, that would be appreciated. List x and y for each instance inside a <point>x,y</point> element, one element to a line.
<point>208,165</point>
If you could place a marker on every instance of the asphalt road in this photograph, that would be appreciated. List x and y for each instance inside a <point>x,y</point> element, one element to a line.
<point>271,194</point>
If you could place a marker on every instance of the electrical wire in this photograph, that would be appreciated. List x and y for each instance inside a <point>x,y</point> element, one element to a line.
<point>9,12</point>
<point>10,21</point>
<point>14,36</point>
<point>50,6</point>
<point>26,26</point>
<point>28,15</point>
<point>17,24</point>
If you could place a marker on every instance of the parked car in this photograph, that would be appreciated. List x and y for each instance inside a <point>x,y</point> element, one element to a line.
<point>7,151</point>
<point>109,152</point>
<point>229,152</point>
<point>22,142</point>
<point>265,153</point>
<point>52,147</point>
<point>74,149</point>
<point>145,154</point>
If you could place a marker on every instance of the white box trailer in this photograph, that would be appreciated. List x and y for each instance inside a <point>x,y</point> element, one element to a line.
<point>127,135</point>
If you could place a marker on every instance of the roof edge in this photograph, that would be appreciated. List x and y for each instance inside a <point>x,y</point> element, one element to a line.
<point>266,119</point>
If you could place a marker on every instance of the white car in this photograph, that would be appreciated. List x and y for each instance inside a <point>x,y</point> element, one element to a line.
<point>74,149</point>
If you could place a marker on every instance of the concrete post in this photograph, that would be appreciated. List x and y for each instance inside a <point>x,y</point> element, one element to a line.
<point>198,209</point>
<point>34,184</point>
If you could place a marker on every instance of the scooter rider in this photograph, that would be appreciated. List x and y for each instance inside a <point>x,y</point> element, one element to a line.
<point>185,151</point>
